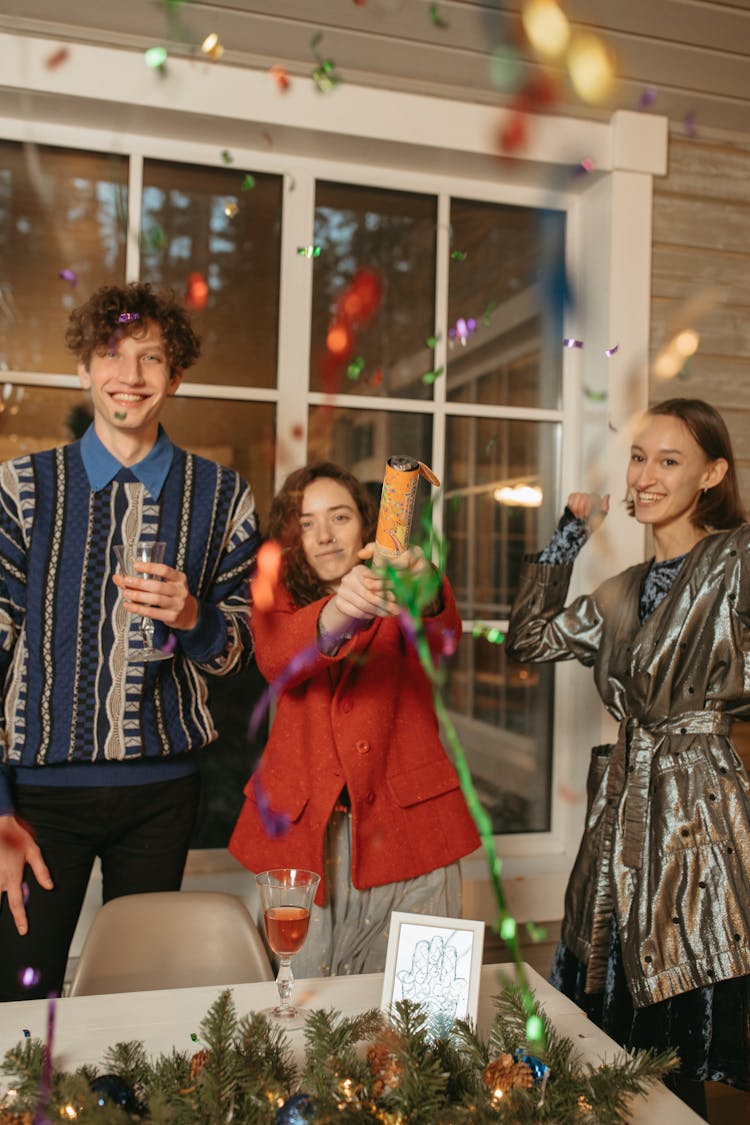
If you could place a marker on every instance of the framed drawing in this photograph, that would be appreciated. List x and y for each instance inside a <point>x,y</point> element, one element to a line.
<point>435,962</point>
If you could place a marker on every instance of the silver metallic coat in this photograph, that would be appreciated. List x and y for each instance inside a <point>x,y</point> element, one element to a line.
<point>667,839</point>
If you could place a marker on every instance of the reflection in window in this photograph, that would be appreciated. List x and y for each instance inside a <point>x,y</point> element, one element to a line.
<point>363,440</point>
<point>393,233</point>
<point>199,220</point>
<point>507,291</point>
<point>60,211</point>
<point>502,711</point>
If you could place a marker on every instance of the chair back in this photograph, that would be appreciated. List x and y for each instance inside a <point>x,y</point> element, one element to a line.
<point>170,939</point>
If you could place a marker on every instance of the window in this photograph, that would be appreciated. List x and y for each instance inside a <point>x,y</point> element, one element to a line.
<point>457,238</point>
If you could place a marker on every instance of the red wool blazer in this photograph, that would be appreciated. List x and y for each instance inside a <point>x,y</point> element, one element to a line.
<point>363,718</point>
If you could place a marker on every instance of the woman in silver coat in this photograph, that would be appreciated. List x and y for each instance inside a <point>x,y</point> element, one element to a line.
<point>656,936</point>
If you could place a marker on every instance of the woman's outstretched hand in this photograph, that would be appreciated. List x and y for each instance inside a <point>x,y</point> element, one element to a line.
<point>589,506</point>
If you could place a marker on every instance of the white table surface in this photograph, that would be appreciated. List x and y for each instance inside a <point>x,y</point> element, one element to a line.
<point>161,1020</point>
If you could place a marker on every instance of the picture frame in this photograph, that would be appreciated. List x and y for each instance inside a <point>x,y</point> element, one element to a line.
<point>435,962</point>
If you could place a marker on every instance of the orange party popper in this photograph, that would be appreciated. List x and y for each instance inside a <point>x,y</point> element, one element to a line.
<point>397,499</point>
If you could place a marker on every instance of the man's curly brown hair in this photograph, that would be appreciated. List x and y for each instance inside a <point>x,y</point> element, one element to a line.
<point>298,576</point>
<point>93,325</point>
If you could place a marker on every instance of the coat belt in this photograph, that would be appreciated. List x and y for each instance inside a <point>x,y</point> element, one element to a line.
<point>637,744</point>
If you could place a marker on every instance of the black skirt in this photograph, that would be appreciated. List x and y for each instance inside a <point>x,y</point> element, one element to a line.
<point>709,1027</point>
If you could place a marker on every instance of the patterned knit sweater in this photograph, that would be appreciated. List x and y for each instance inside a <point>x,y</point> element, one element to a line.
<point>69,694</point>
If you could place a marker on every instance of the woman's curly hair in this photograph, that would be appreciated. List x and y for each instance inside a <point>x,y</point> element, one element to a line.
<point>298,576</point>
<point>93,325</point>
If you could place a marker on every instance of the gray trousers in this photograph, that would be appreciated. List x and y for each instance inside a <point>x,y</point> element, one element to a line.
<point>350,933</point>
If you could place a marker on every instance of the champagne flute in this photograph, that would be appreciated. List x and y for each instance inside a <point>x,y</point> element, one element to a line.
<point>128,556</point>
<point>286,895</point>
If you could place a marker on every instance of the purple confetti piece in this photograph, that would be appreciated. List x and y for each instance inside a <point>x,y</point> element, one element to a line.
<point>69,275</point>
<point>29,977</point>
<point>25,893</point>
<point>275,823</point>
<point>647,98</point>
<point>689,125</point>
<point>170,644</point>
<point>126,318</point>
<point>569,342</point>
<point>450,642</point>
<point>613,350</point>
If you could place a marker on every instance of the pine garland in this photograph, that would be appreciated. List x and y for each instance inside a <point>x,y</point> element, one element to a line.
<point>365,1068</point>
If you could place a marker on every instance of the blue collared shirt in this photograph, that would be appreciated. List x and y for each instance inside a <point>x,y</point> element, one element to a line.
<point>102,466</point>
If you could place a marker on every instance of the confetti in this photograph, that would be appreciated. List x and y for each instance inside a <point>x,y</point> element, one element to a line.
<point>275,823</point>
<point>431,341</point>
<point>309,251</point>
<point>120,416</point>
<point>569,342</point>
<point>459,255</point>
<point>514,131</point>
<point>689,125</point>
<point>197,291</point>
<point>436,18</point>
<point>488,633</point>
<point>26,1033</point>
<point>231,209</point>
<point>211,46</point>
<point>487,314</point>
<point>57,58</point>
<point>590,67</point>
<point>595,396</point>
<point>170,644</point>
<point>69,275</point>
<point>281,78</point>
<point>536,933</point>
<point>297,431</point>
<point>24,889</point>
<point>339,340</point>
<point>583,167</point>
<point>612,351</point>
<point>546,27</point>
<point>431,376</point>
<point>490,443</point>
<point>534,1030</point>
<point>249,182</point>
<point>355,368</point>
<point>376,378</point>
<point>325,76</point>
<point>226,156</point>
<point>126,317</point>
<point>194,1037</point>
<point>30,977</point>
<point>647,98</point>
<point>508,929</point>
<point>156,58</point>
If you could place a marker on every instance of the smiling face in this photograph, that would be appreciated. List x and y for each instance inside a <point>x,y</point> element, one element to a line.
<point>331,529</point>
<point>129,381</point>
<point>667,473</point>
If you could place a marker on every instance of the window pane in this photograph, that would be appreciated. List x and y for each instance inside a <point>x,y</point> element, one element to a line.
<point>60,209</point>
<point>502,710</point>
<point>190,225</point>
<point>363,440</point>
<point>393,233</point>
<point>239,434</point>
<point>487,534</point>
<point>506,296</point>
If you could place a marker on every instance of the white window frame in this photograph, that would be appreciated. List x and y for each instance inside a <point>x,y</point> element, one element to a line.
<point>367,136</point>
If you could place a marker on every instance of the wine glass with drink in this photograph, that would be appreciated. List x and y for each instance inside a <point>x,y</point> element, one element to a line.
<point>129,555</point>
<point>286,895</point>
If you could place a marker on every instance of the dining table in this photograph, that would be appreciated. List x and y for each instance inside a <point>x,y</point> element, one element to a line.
<point>84,1026</point>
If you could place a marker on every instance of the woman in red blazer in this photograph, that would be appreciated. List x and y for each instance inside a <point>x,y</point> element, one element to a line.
<point>354,770</point>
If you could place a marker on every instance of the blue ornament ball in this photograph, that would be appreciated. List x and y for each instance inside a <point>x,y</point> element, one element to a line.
<point>110,1087</point>
<point>297,1110</point>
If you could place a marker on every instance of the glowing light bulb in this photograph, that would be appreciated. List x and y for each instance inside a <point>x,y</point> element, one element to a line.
<point>590,68</point>
<point>546,27</point>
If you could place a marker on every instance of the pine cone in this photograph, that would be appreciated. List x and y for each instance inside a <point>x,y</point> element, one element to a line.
<point>504,1073</point>
<point>197,1063</point>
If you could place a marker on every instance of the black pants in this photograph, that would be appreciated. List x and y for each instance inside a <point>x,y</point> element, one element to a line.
<point>141,834</point>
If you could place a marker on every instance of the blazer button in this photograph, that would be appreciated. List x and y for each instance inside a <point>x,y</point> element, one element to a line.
<point>363,746</point>
<point>370,797</point>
